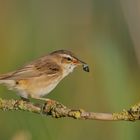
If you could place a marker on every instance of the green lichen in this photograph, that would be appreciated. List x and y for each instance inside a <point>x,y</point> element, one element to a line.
<point>75,114</point>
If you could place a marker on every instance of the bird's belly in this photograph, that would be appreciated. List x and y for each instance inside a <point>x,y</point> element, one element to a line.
<point>41,87</point>
<point>44,90</point>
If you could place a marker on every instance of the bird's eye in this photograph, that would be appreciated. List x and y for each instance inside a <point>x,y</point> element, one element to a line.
<point>69,59</point>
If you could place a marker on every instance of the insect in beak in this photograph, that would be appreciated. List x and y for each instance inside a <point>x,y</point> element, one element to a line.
<point>84,65</point>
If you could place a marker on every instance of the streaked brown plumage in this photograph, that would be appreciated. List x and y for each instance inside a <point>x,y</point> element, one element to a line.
<point>41,76</point>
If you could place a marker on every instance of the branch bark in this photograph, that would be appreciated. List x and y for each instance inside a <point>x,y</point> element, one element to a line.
<point>57,110</point>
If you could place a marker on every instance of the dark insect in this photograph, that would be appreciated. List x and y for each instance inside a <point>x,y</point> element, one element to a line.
<point>86,67</point>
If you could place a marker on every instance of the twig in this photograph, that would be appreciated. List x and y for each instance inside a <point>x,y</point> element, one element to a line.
<point>58,110</point>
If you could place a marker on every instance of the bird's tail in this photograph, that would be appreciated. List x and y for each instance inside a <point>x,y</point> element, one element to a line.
<point>4,79</point>
<point>10,84</point>
<point>1,80</point>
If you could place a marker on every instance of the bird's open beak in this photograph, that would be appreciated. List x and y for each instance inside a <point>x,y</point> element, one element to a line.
<point>84,65</point>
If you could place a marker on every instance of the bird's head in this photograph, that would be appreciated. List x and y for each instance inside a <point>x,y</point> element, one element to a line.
<point>68,61</point>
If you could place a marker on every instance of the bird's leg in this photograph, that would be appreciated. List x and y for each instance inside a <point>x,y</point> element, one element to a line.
<point>42,99</point>
<point>48,103</point>
<point>24,99</point>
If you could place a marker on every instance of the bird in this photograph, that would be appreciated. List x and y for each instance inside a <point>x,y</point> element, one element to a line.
<point>39,77</point>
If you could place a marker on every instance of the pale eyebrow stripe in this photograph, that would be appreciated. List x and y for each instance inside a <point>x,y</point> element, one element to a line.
<point>66,55</point>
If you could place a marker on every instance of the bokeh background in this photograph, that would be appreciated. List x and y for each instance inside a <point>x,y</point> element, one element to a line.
<point>105,34</point>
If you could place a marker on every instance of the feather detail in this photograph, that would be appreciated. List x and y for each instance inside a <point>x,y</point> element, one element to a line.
<point>35,69</point>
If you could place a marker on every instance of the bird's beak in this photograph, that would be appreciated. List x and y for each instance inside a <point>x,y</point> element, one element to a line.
<point>83,64</point>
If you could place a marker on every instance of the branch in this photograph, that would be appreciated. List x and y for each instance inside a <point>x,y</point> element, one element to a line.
<point>57,110</point>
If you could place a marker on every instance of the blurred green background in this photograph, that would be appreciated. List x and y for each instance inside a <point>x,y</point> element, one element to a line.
<point>105,34</point>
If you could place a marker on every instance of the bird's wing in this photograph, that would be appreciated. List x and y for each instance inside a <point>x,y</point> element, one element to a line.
<point>34,69</point>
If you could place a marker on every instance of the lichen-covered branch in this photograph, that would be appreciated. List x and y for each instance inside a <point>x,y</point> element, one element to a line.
<point>57,110</point>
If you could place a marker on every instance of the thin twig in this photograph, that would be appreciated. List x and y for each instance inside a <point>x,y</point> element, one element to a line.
<point>58,110</point>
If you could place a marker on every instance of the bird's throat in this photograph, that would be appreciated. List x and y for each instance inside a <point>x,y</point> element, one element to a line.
<point>68,69</point>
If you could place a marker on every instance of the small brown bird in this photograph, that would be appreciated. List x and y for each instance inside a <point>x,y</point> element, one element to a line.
<point>41,76</point>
